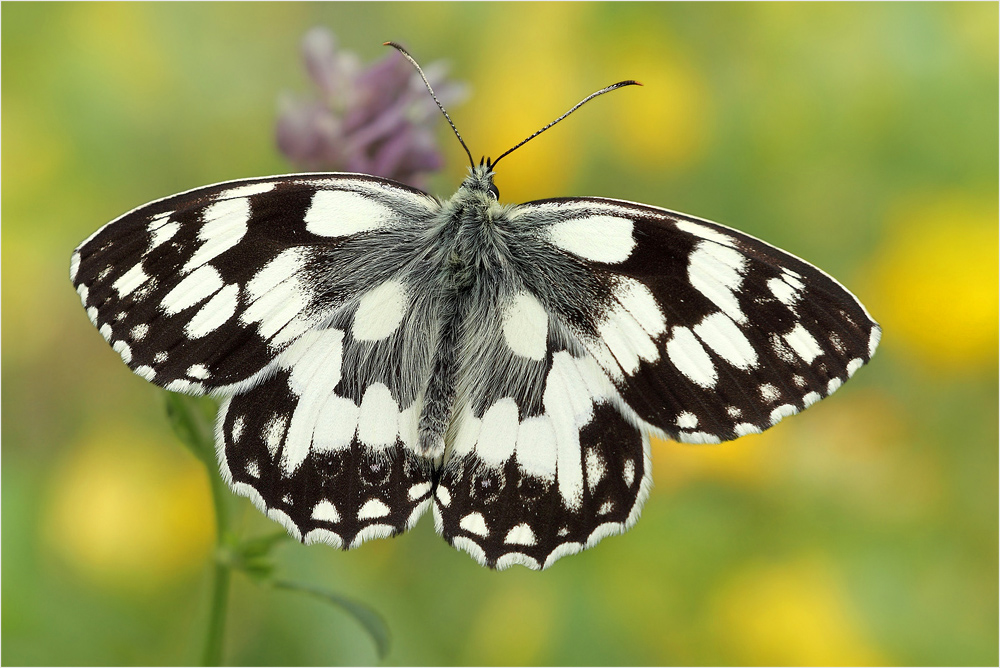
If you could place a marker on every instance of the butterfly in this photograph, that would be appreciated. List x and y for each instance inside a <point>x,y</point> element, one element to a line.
<point>380,351</point>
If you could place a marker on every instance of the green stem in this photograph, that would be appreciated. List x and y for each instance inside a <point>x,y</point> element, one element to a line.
<point>222,573</point>
<point>217,622</point>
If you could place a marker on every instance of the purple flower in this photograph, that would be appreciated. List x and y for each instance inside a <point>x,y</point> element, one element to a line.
<point>377,120</point>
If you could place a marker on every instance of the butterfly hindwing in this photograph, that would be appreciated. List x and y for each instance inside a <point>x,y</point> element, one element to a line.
<point>331,459</point>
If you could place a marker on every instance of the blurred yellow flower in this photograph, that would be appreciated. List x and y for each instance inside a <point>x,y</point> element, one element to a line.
<point>935,281</point>
<point>129,513</point>
<point>792,613</point>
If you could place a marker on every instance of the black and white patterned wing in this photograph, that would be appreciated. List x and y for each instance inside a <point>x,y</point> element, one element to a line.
<point>612,322</point>
<point>708,333</point>
<point>295,297</point>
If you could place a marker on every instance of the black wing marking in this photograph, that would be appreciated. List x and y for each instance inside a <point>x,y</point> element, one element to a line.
<point>199,291</point>
<point>708,333</point>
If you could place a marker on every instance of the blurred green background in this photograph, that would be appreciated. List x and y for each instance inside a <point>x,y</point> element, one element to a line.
<point>862,137</point>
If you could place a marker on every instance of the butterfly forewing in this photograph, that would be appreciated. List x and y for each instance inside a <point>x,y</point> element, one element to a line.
<point>708,333</point>
<point>201,290</point>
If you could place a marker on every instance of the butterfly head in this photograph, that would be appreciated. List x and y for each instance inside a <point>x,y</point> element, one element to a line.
<point>480,182</point>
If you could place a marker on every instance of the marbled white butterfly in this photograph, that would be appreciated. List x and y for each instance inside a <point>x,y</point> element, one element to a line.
<point>380,351</point>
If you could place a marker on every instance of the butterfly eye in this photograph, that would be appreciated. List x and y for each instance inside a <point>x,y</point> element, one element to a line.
<point>494,192</point>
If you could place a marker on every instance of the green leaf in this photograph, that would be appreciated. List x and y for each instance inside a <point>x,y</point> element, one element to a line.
<point>368,617</point>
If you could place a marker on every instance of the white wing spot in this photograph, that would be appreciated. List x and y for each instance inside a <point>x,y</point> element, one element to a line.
<point>595,468</point>
<point>380,311</point>
<point>733,411</point>
<point>769,392</point>
<point>418,490</point>
<point>225,224</point>
<point>238,424</point>
<point>160,357</point>
<point>606,239</point>
<point>373,508</point>
<point>853,366</point>
<point>130,280</point>
<point>606,508</point>
<point>325,511</point>
<point>833,386</point>
<point>443,496</point>
<point>521,535</point>
<point>146,372</point>
<point>199,371</point>
<point>378,418</point>
<point>704,232</point>
<point>628,472</point>
<point>217,312</point>
<point>161,234</point>
<point>690,358</point>
<point>717,272</point>
<point>526,327</point>
<point>687,420</point>
<point>248,190</point>
<point>745,428</point>
<point>341,213</point>
<point>636,298</point>
<point>474,523</point>
<point>534,451</point>
<point>835,341</point>
<point>498,433</point>
<point>196,286</point>
<point>727,340</point>
<point>274,430</point>
<point>139,332</point>
<point>803,343</point>
<point>811,398</point>
<point>252,469</point>
<point>336,424</point>
<point>782,291</point>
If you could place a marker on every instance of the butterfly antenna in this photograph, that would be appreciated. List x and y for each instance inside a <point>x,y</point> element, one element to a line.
<point>436,101</point>
<point>579,104</point>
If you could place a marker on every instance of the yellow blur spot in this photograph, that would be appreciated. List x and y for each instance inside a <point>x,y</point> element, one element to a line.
<point>532,85</point>
<point>513,626</point>
<point>793,613</point>
<point>129,513</point>
<point>666,123</point>
<point>936,282</point>
<point>749,461</point>
<point>123,41</point>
